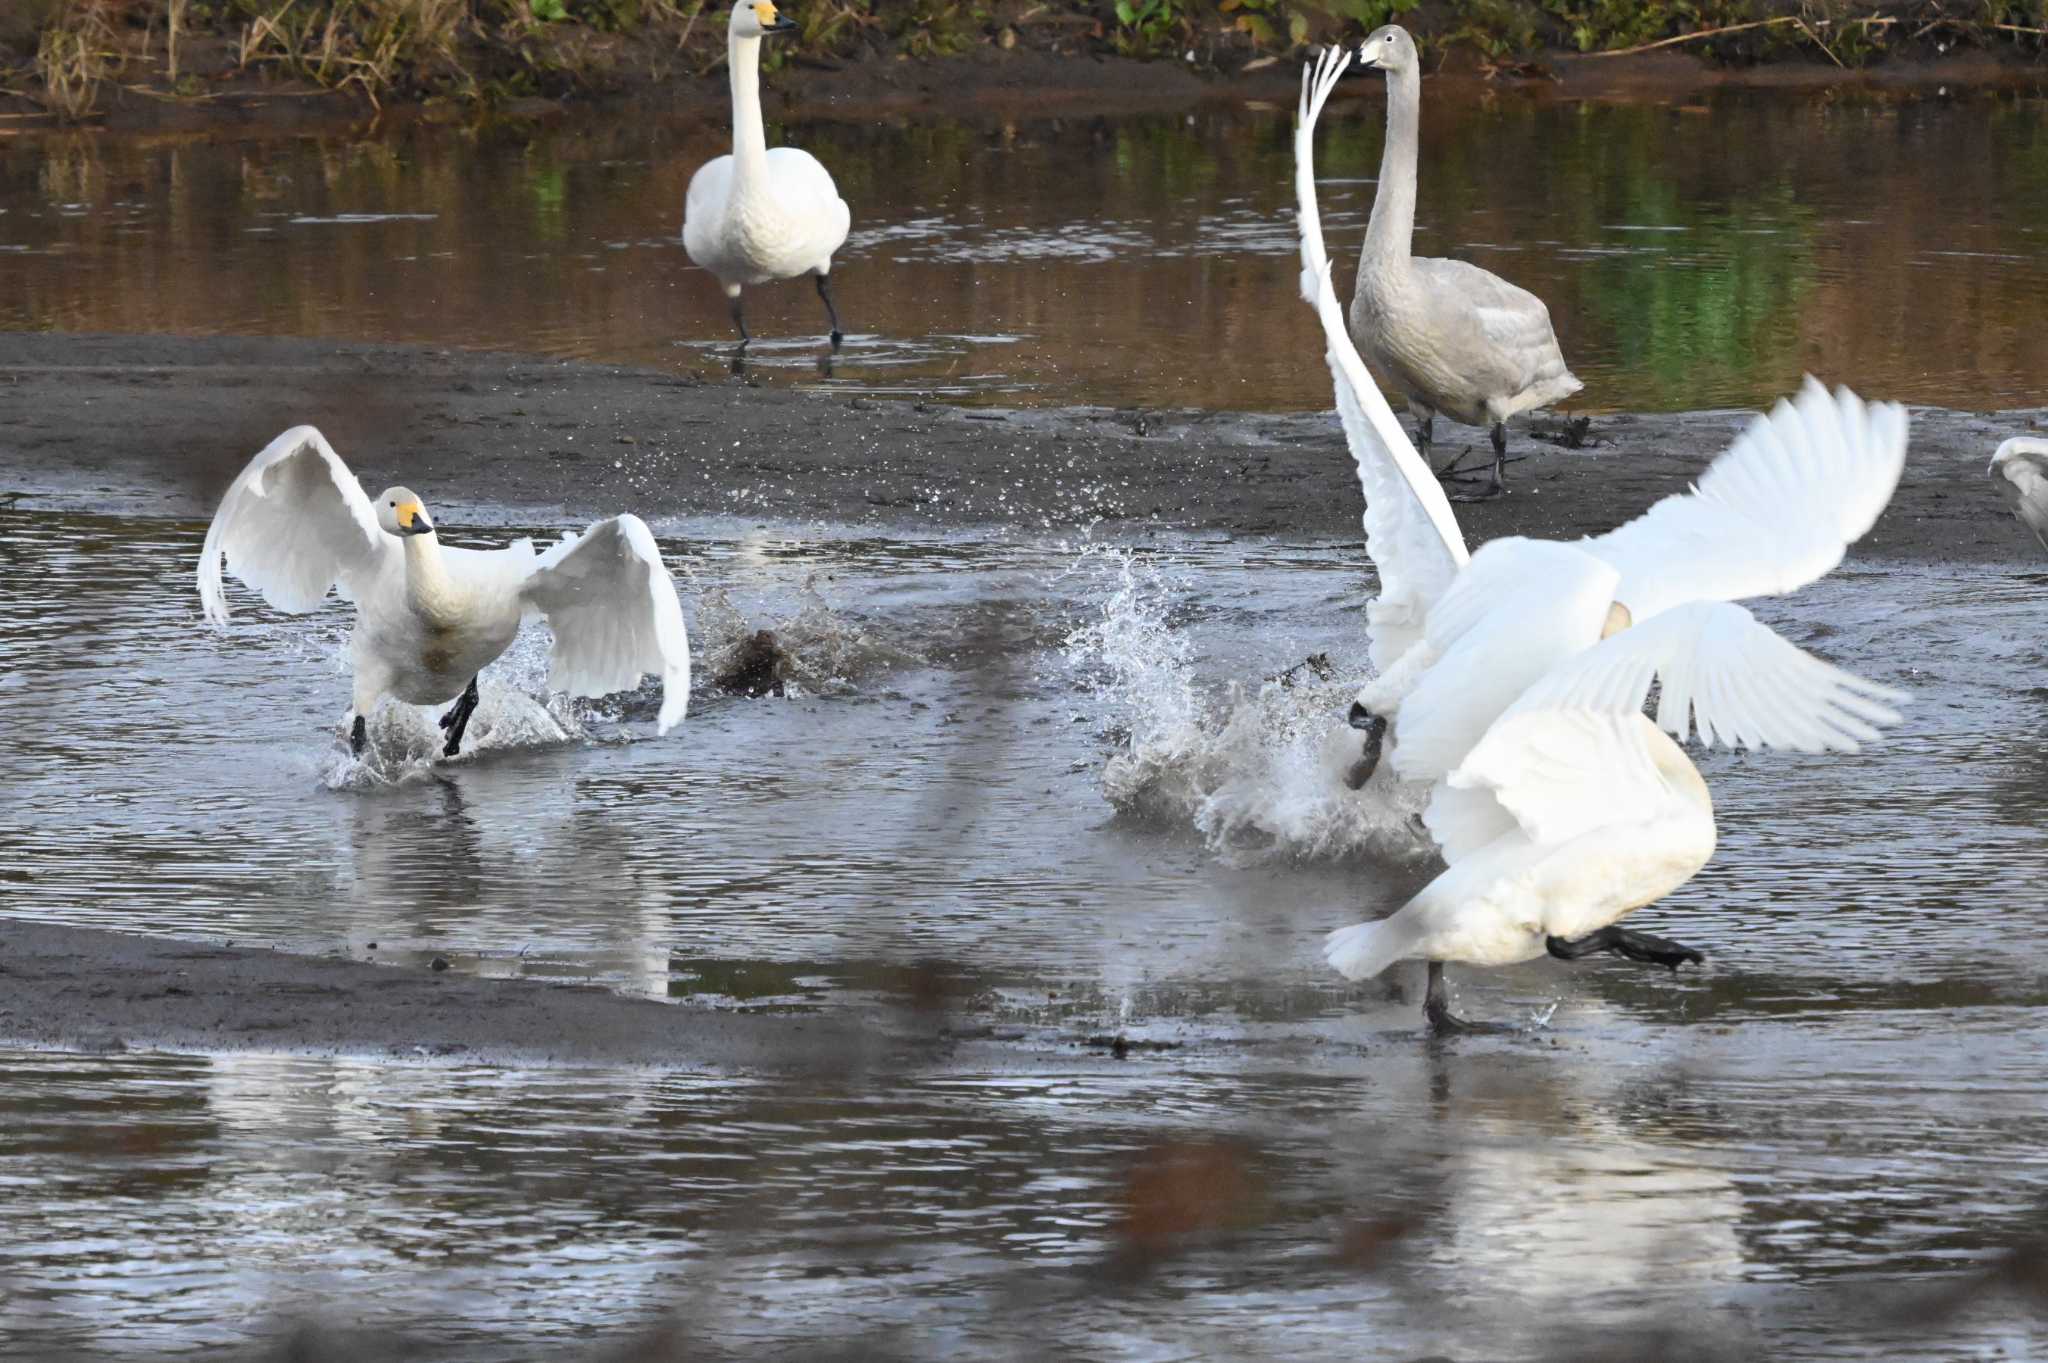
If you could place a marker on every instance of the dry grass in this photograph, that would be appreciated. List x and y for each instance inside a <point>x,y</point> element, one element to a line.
<point>375,45</point>
<point>78,53</point>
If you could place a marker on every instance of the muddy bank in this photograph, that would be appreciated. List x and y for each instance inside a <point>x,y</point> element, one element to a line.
<point>160,425</point>
<point>1016,58</point>
<point>85,989</point>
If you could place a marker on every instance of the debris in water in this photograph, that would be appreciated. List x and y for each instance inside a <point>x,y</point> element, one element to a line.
<point>757,668</point>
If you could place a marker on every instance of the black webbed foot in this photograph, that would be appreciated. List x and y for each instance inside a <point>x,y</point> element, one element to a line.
<point>456,721</point>
<point>1374,727</point>
<point>1436,1006</point>
<point>1487,494</point>
<point>358,737</point>
<point>1636,946</point>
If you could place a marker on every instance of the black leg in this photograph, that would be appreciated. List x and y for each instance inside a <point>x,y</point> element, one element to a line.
<point>1497,486</point>
<point>358,737</point>
<point>1436,1005</point>
<point>456,721</point>
<point>825,292</point>
<point>1425,432</point>
<point>1374,727</point>
<point>1636,946</point>
<point>739,320</point>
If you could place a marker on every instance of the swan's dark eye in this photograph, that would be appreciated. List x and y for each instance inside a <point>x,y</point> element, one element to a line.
<point>394,506</point>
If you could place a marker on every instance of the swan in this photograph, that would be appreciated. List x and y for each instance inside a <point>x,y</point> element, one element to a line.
<point>1512,680</point>
<point>1450,336</point>
<point>2021,466</point>
<point>760,215</point>
<point>296,524</point>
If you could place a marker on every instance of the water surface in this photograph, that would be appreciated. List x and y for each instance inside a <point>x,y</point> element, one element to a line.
<point>1697,256</point>
<point>1842,1108</point>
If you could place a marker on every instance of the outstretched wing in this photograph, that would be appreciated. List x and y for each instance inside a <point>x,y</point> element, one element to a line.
<point>1409,529</point>
<point>1773,513</point>
<point>1726,673</point>
<point>293,526</point>
<point>612,605</point>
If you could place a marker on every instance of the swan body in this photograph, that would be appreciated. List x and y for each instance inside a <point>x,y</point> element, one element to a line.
<point>759,215</point>
<point>2021,468</point>
<point>1453,338</point>
<point>296,524</point>
<point>1512,680</point>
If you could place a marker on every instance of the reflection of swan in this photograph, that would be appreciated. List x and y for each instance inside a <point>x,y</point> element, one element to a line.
<point>1514,681</point>
<point>2021,466</point>
<point>1454,338</point>
<point>760,215</point>
<point>296,524</point>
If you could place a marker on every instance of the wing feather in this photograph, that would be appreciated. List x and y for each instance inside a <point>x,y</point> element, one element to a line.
<point>294,525</point>
<point>1564,771</point>
<point>1725,673</point>
<point>1409,528</point>
<point>1774,512</point>
<point>615,615</point>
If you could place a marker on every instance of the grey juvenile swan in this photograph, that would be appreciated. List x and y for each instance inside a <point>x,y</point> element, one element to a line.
<point>2021,465</point>
<point>1452,337</point>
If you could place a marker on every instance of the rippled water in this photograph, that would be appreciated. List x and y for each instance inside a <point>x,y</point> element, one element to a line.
<point>1695,256</point>
<point>1846,1104</point>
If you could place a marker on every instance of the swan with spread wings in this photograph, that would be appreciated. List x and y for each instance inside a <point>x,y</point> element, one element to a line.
<point>1512,680</point>
<point>296,524</point>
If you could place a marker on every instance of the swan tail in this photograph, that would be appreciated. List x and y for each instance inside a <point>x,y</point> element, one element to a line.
<point>1363,950</point>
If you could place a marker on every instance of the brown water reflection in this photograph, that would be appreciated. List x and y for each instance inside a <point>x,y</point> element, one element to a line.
<point>1693,257</point>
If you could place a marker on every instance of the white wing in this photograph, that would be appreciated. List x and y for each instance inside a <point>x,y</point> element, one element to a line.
<point>294,525</point>
<point>1409,528</point>
<point>1773,513</point>
<point>1519,609</point>
<point>1726,672</point>
<point>612,606</point>
<point>1562,772</point>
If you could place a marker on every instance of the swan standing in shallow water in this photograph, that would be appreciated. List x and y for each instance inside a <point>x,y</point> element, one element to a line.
<point>1452,337</point>
<point>296,524</point>
<point>760,215</point>
<point>2021,468</point>
<point>1512,681</point>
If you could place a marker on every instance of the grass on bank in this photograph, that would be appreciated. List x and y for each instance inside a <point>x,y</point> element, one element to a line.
<point>66,55</point>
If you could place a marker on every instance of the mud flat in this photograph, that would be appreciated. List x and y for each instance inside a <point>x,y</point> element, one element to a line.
<point>159,426</point>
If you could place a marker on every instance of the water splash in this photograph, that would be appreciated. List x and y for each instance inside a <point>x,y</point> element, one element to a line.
<point>1254,768</point>
<point>514,710</point>
<point>821,651</point>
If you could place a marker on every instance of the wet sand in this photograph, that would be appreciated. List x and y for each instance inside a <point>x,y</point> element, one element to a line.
<point>85,989</point>
<point>158,426</point>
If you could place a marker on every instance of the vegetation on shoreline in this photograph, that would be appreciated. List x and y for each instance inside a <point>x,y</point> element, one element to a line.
<point>66,58</point>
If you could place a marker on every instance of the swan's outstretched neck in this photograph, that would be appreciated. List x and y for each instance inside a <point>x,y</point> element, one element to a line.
<point>749,137</point>
<point>428,588</point>
<point>1392,228</point>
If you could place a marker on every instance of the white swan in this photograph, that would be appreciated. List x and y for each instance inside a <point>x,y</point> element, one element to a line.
<point>296,524</point>
<point>760,215</point>
<point>1452,337</point>
<point>2021,466</point>
<point>1514,679</point>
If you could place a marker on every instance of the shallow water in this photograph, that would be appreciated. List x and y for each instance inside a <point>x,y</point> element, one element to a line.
<point>1773,1154</point>
<point>1695,256</point>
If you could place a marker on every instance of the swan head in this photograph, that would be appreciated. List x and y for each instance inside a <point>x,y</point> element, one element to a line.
<point>753,18</point>
<point>2017,447</point>
<point>1388,49</point>
<point>400,512</point>
<point>1618,619</point>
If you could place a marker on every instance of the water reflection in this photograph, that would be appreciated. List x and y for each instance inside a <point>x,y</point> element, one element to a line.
<point>1692,257</point>
<point>1509,1204</point>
